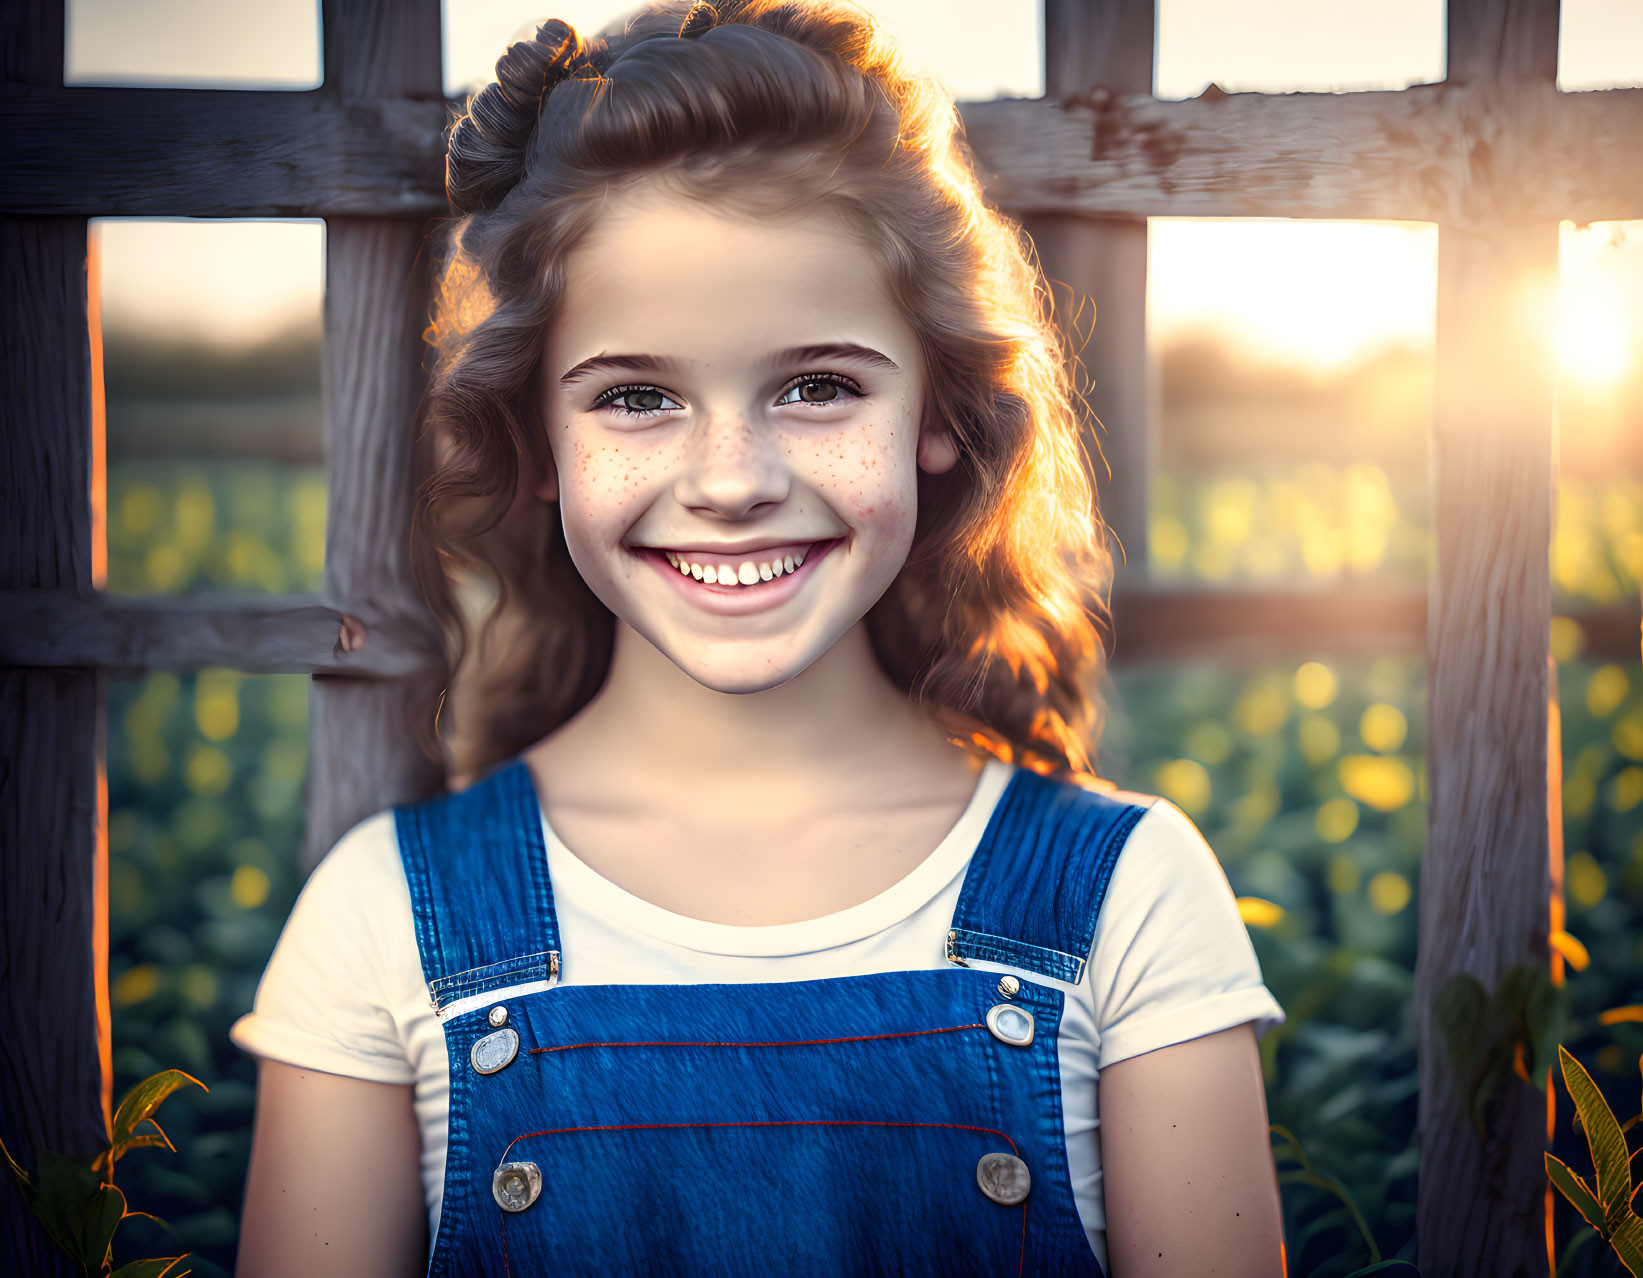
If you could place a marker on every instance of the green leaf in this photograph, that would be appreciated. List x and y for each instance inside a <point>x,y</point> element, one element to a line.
<point>31,1195</point>
<point>148,1215</point>
<point>1627,1240</point>
<point>141,1102</point>
<point>1609,1153</point>
<point>143,1140</point>
<point>1516,986</point>
<point>94,1226</point>
<point>71,1205</point>
<point>1462,1013</point>
<point>1547,1012</point>
<point>160,1268</point>
<point>1572,1187</point>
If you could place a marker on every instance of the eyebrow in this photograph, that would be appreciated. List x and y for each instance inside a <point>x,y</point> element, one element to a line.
<point>792,355</point>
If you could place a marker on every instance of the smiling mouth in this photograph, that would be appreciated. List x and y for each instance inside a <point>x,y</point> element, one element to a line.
<point>723,570</point>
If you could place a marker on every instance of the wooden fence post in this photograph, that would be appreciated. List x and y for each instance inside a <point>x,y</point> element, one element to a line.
<point>1105,44</point>
<point>54,1057</point>
<point>362,757</point>
<point>1485,879</point>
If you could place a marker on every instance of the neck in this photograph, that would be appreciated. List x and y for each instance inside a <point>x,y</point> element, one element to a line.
<point>842,714</point>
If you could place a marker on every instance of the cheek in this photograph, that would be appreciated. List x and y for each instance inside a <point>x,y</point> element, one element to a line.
<point>603,484</point>
<point>871,473</point>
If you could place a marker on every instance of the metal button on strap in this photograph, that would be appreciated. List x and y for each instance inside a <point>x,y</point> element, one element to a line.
<point>498,1016</point>
<point>495,1051</point>
<point>1011,1024</point>
<point>1004,1178</point>
<point>516,1185</point>
<point>1008,986</point>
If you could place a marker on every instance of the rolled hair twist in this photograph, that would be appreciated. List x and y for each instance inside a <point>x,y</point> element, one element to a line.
<point>768,108</point>
<point>485,154</point>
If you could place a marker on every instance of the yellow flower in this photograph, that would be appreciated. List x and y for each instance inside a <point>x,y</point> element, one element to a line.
<point>1256,912</point>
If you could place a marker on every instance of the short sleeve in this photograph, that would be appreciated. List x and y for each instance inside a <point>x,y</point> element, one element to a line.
<point>1172,959</point>
<point>331,996</point>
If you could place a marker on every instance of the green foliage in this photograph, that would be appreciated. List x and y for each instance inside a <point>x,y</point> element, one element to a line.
<point>1607,1205</point>
<point>79,1205</point>
<point>1488,1036</point>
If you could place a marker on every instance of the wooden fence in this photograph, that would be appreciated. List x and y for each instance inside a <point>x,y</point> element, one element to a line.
<point>1495,155</point>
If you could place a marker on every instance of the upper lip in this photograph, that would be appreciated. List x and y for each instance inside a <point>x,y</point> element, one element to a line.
<point>742,547</point>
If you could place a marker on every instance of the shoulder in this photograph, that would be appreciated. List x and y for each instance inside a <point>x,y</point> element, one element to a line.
<point>362,866</point>
<point>356,901</point>
<point>1167,859</point>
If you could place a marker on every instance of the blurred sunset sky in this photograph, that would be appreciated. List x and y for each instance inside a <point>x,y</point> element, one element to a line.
<point>1318,295</point>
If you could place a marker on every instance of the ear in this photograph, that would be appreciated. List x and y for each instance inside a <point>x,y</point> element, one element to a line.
<point>937,450</point>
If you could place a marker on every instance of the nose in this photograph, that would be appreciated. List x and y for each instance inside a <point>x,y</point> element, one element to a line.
<point>732,469</point>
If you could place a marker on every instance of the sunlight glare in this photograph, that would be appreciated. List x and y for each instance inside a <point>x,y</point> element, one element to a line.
<point>1597,331</point>
<point>1322,295</point>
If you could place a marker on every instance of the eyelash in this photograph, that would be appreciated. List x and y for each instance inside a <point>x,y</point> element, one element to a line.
<point>607,399</point>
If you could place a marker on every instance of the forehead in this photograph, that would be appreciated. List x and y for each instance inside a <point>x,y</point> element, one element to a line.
<point>663,272</point>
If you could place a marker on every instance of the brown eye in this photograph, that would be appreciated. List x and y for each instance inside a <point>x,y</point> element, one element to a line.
<point>828,389</point>
<point>818,392</point>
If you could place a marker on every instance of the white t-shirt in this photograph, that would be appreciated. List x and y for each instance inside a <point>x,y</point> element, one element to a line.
<point>344,991</point>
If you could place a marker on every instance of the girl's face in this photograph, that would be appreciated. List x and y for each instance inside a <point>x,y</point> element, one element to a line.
<point>741,398</point>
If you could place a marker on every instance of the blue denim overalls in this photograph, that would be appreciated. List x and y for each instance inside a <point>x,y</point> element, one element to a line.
<point>903,1122</point>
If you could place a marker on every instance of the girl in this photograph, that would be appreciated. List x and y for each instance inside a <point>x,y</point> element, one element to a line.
<point>787,928</point>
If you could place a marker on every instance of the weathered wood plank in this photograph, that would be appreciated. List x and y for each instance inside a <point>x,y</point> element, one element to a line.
<point>127,634</point>
<point>1431,152</point>
<point>1485,876</point>
<point>220,153</point>
<point>1098,273</point>
<point>55,1075</point>
<point>363,754</point>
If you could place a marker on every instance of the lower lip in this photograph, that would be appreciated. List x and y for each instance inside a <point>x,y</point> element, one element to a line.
<point>739,601</point>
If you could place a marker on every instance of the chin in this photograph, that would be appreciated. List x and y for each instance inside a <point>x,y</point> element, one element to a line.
<point>739,678</point>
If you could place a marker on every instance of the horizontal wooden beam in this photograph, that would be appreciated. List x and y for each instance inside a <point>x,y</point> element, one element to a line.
<point>221,153</point>
<point>1184,624</point>
<point>127,634</point>
<point>1440,153</point>
<point>1450,153</point>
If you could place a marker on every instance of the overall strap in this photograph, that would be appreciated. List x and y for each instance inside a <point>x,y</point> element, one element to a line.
<point>478,873</point>
<point>1034,888</point>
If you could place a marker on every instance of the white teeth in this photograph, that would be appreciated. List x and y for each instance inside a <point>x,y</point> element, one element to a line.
<point>748,573</point>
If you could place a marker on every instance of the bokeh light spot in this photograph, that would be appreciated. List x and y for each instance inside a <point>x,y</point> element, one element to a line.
<point>1389,892</point>
<point>1315,685</point>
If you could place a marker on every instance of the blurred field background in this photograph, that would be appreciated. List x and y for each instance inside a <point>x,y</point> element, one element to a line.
<point>1294,371</point>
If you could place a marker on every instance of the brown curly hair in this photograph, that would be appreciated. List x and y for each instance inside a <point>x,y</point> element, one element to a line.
<point>995,623</point>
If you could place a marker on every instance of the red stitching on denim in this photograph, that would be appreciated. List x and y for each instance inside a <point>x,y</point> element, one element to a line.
<point>793,1122</point>
<point>796,1042</point>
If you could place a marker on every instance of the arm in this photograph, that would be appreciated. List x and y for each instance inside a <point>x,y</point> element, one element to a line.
<point>335,1185</point>
<point>1187,1163</point>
